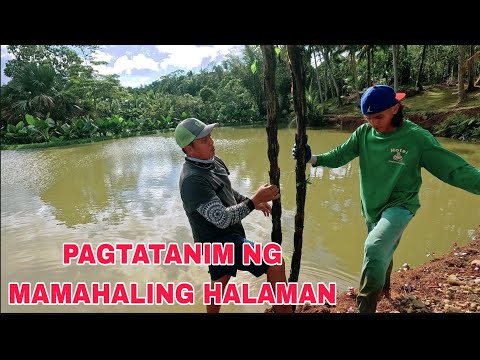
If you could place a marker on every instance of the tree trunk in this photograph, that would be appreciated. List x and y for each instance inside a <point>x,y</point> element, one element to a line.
<point>369,67</point>
<point>462,96</point>
<point>418,83</point>
<point>327,87</point>
<point>269,66</point>
<point>300,105</point>
<point>395,66</point>
<point>471,74</point>
<point>318,77</point>
<point>354,71</point>
<point>470,63</point>
<point>330,71</point>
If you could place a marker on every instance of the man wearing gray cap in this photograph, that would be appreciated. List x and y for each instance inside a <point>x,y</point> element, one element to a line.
<point>215,210</point>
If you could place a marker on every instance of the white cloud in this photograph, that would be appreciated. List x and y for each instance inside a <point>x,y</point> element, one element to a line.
<point>101,56</point>
<point>125,64</point>
<point>135,81</point>
<point>5,54</point>
<point>137,62</point>
<point>190,56</point>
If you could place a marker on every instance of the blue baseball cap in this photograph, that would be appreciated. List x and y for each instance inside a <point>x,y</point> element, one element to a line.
<point>379,98</point>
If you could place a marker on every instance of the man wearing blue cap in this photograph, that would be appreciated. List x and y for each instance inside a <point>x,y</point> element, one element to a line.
<point>391,151</point>
<point>215,210</point>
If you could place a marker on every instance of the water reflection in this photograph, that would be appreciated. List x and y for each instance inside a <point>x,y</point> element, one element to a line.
<point>127,191</point>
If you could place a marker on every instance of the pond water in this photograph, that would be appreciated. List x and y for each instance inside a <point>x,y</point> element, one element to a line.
<point>126,191</point>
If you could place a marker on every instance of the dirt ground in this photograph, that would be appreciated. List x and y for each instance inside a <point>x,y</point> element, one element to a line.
<point>427,121</point>
<point>446,284</point>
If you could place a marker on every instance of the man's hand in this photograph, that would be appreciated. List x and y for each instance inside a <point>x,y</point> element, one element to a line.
<point>308,152</point>
<point>265,208</point>
<point>265,193</point>
<point>309,158</point>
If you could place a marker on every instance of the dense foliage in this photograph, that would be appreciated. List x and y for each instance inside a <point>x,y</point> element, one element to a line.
<point>55,94</point>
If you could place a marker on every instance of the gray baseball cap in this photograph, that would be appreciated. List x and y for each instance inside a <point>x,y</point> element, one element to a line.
<point>191,129</point>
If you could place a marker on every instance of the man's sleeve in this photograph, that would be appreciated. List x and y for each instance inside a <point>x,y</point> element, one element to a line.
<point>342,154</point>
<point>238,197</point>
<point>450,167</point>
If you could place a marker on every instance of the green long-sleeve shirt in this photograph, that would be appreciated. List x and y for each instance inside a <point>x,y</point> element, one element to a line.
<point>390,166</point>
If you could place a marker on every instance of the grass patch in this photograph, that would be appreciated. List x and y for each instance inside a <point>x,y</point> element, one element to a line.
<point>440,99</point>
<point>432,100</point>
<point>74,142</point>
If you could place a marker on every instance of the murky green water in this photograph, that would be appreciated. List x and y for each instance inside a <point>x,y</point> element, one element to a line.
<point>127,191</point>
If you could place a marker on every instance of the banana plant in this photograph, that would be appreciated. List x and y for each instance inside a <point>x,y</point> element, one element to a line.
<point>40,129</point>
<point>16,133</point>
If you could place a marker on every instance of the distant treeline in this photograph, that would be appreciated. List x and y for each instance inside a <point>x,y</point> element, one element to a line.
<point>55,94</point>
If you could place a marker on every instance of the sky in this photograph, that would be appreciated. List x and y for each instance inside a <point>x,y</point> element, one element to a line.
<point>139,65</point>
